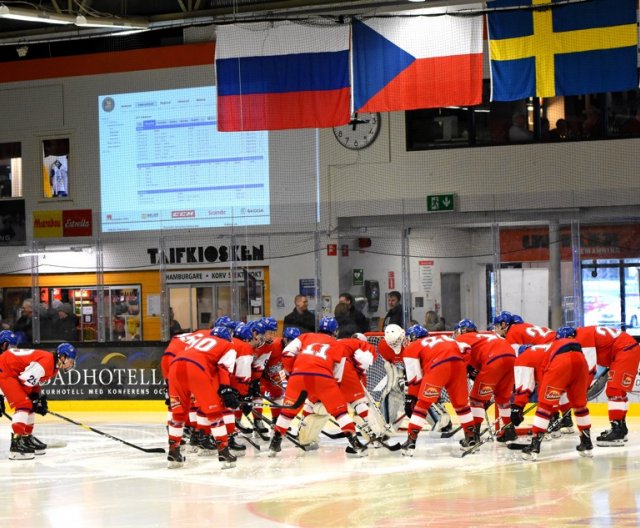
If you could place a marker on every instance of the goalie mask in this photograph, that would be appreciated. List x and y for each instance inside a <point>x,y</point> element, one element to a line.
<point>394,336</point>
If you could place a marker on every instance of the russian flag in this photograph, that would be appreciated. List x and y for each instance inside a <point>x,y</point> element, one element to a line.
<point>405,63</point>
<point>287,75</point>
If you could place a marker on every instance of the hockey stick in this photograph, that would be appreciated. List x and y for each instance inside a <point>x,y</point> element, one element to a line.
<point>553,427</point>
<point>272,404</point>
<point>480,443</point>
<point>144,449</point>
<point>50,444</point>
<point>288,435</point>
<point>250,441</point>
<point>598,385</point>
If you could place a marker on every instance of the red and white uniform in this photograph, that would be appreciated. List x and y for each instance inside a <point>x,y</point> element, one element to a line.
<point>388,354</point>
<point>620,352</point>
<point>318,366</point>
<point>519,334</point>
<point>178,344</point>
<point>493,358</point>
<point>564,370</point>
<point>21,373</point>
<point>434,363</point>
<point>196,373</point>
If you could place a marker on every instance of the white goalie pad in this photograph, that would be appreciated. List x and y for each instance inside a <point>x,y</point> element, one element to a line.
<point>311,426</point>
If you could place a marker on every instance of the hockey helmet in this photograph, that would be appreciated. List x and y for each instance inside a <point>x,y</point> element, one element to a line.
<point>565,332</point>
<point>516,319</point>
<point>466,325</point>
<point>502,317</point>
<point>394,336</point>
<point>417,332</point>
<point>328,325</point>
<point>226,321</point>
<point>243,332</point>
<point>290,333</point>
<point>222,332</point>
<point>7,336</point>
<point>270,323</point>
<point>67,355</point>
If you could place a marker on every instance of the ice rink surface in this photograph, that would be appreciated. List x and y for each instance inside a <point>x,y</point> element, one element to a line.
<point>97,482</point>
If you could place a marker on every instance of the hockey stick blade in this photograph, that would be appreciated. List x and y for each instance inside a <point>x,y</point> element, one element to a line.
<point>516,447</point>
<point>451,433</point>
<point>102,433</point>
<point>250,441</point>
<point>289,436</point>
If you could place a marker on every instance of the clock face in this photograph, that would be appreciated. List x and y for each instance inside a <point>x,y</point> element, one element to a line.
<point>360,132</point>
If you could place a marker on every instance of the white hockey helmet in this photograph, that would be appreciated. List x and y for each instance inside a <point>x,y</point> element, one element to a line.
<point>394,336</point>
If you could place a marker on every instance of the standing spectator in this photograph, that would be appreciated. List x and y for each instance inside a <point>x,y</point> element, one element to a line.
<point>519,131</point>
<point>64,328</point>
<point>561,132</point>
<point>23,327</point>
<point>354,315</point>
<point>433,322</point>
<point>394,315</point>
<point>174,326</point>
<point>301,317</point>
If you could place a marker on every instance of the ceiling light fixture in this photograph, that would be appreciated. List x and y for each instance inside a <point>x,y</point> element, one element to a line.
<point>33,15</point>
<point>112,23</point>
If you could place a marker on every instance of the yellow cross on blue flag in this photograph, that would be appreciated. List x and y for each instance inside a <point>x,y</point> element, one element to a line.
<point>548,48</point>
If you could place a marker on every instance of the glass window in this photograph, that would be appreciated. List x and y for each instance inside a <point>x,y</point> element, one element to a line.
<point>10,170</point>
<point>55,167</point>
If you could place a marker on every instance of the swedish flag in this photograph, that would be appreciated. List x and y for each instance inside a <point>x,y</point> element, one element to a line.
<point>564,49</point>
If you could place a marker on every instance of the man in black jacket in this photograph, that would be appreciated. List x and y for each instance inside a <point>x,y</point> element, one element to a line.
<point>301,317</point>
<point>394,315</point>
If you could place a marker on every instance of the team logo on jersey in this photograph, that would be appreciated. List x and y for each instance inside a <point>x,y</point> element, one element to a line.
<point>174,402</point>
<point>552,393</point>
<point>431,392</point>
<point>627,380</point>
<point>485,390</point>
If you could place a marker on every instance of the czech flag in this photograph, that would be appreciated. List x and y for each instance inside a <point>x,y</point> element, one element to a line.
<point>406,63</point>
<point>282,75</point>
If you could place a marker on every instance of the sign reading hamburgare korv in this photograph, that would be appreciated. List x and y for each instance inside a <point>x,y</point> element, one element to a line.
<point>211,275</point>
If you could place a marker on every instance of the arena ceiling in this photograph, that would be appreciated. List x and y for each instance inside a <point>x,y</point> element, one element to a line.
<point>164,20</point>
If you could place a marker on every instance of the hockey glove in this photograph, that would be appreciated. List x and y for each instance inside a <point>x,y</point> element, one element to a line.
<point>471,373</point>
<point>516,415</point>
<point>254,388</point>
<point>409,404</point>
<point>40,404</point>
<point>229,397</point>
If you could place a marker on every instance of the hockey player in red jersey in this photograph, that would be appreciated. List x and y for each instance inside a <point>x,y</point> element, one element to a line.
<point>431,364</point>
<point>563,369</point>
<point>518,333</point>
<point>247,337</point>
<point>491,361</point>
<point>202,372</point>
<point>620,353</point>
<point>21,373</point>
<point>317,367</point>
<point>270,374</point>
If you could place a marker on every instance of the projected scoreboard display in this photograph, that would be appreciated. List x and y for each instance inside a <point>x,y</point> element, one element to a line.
<point>164,165</point>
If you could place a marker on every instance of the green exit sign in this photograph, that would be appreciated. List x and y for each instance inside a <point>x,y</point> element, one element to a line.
<point>440,202</point>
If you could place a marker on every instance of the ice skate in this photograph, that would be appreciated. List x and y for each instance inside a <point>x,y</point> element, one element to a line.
<point>20,448</point>
<point>507,436</point>
<point>276,444</point>
<point>566,424</point>
<point>39,447</point>
<point>226,458</point>
<point>614,437</point>
<point>238,449</point>
<point>409,446</point>
<point>586,447</point>
<point>356,449</point>
<point>471,437</point>
<point>206,445</point>
<point>532,451</point>
<point>175,459</point>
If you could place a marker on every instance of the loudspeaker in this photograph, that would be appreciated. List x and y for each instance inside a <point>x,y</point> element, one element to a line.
<point>372,293</point>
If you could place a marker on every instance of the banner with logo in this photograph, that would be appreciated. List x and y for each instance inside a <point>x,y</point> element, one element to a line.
<point>112,372</point>
<point>62,224</point>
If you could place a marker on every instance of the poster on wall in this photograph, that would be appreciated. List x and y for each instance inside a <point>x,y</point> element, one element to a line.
<point>55,168</point>
<point>12,223</point>
<point>426,277</point>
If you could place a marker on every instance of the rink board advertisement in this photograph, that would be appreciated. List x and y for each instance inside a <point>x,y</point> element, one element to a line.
<point>111,372</point>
